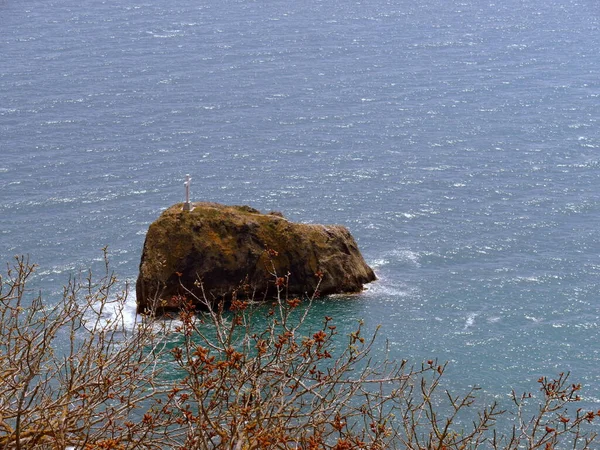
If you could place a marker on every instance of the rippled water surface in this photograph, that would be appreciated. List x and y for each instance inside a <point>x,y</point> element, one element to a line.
<point>458,141</point>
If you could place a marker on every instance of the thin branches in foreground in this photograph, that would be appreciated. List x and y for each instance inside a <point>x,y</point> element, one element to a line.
<point>239,375</point>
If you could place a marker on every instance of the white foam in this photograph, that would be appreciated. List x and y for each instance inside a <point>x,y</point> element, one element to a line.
<point>121,316</point>
<point>530,279</point>
<point>533,319</point>
<point>404,255</point>
<point>470,320</point>
<point>375,263</point>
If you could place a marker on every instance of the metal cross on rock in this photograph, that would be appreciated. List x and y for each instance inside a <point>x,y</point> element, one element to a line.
<point>187,206</point>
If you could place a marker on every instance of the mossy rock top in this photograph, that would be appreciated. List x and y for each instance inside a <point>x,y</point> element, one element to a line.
<point>220,248</point>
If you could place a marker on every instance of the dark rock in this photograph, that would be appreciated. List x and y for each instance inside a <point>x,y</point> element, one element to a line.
<point>226,247</point>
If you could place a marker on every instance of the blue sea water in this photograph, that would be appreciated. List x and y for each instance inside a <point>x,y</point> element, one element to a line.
<point>458,140</point>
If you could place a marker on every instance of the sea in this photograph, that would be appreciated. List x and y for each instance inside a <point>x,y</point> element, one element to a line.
<point>458,140</point>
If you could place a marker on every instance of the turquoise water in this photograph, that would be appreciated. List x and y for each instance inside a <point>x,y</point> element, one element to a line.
<point>458,141</point>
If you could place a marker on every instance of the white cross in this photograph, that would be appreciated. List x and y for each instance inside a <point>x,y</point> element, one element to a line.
<point>187,206</point>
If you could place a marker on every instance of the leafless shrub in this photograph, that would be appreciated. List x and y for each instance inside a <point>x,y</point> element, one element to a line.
<point>248,375</point>
<point>86,392</point>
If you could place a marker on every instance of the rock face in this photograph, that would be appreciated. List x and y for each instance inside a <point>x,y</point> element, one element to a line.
<point>225,247</point>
